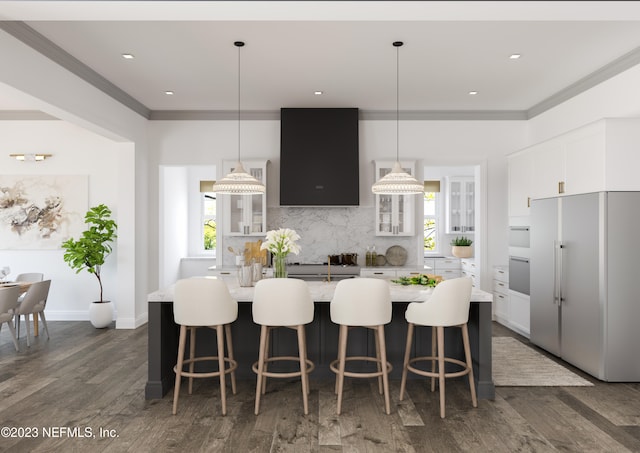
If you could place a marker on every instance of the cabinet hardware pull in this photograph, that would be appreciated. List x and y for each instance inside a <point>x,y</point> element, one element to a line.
<point>561,187</point>
<point>528,202</point>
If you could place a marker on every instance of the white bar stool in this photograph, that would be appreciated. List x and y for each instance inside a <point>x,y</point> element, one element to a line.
<point>282,302</point>
<point>362,302</point>
<point>448,306</point>
<point>204,302</point>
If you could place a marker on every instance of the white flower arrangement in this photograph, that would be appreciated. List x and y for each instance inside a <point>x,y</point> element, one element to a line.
<point>281,242</point>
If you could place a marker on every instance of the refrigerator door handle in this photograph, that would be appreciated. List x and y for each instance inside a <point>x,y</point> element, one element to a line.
<point>557,271</point>
<point>560,273</point>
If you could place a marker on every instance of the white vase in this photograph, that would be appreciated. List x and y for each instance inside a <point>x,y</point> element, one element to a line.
<point>462,251</point>
<point>101,314</point>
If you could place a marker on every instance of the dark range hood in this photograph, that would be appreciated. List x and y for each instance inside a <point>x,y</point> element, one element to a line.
<point>319,161</point>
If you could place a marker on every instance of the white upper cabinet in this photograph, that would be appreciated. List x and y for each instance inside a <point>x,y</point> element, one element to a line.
<point>460,204</point>
<point>520,183</point>
<point>246,215</point>
<point>601,156</point>
<point>548,169</point>
<point>394,213</point>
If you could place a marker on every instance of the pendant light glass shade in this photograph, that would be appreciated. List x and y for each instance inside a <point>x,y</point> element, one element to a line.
<point>398,182</point>
<point>238,182</point>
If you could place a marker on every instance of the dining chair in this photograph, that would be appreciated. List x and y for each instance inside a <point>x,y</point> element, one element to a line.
<point>282,302</point>
<point>8,304</point>
<point>448,306</point>
<point>34,303</point>
<point>362,302</point>
<point>204,302</point>
<point>29,277</point>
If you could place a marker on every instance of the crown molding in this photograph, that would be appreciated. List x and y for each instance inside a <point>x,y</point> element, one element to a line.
<point>41,44</point>
<point>57,54</point>
<point>445,115</point>
<point>606,72</point>
<point>25,115</point>
<point>213,115</point>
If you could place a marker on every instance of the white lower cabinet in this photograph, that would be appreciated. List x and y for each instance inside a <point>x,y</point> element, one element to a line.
<point>378,273</point>
<point>447,268</point>
<point>519,313</point>
<point>470,269</point>
<point>501,294</point>
<point>225,274</point>
<point>389,273</point>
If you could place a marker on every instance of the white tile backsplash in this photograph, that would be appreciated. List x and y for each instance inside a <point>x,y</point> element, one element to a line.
<point>330,231</point>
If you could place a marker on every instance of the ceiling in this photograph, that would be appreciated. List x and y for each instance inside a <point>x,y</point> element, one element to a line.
<point>343,49</point>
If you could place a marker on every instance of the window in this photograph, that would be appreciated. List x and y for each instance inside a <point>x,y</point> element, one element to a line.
<point>430,222</point>
<point>209,228</point>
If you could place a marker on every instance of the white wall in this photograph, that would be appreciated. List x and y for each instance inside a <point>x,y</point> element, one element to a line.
<point>75,152</point>
<point>475,143</point>
<point>65,96</point>
<point>54,90</point>
<point>614,98</point>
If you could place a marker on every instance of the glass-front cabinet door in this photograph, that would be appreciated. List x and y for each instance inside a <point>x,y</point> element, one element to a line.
<point>394,213</point>
<point>460,204</point>
<point>246,215</point>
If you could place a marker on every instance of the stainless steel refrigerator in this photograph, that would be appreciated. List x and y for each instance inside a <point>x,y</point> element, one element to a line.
<point>585,306</point>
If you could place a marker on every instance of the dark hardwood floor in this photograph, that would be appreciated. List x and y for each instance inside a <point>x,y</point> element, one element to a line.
<point>83,390</point>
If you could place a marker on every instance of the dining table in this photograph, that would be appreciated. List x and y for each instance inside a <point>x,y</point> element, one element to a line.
<point>322,335</point>
<point>24,287</point>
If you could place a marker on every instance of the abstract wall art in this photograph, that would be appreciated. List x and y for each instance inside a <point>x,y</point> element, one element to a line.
<point>40,212</point>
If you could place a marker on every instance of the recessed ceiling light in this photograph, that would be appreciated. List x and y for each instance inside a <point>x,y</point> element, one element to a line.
<point>515,56</point>
<point>473,93</point>
<point>169,93</point>
<point>318,93</point>
<point>128,56</point>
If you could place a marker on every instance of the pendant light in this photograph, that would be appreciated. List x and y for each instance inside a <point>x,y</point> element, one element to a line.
<point>238,182</point>
<point>398,181</point>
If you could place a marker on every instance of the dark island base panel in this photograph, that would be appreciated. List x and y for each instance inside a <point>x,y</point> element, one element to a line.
<point>322,345</point>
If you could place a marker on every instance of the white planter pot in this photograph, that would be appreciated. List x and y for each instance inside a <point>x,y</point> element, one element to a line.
<point>462,251</point>
<point>101,314</point>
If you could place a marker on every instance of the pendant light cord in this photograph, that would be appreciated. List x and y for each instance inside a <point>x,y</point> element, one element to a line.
<point>397,103</point>
<point>397,45</point>
<point>239,44</point>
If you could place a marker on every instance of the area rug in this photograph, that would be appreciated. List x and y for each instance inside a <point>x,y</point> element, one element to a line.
<point>516,364</point>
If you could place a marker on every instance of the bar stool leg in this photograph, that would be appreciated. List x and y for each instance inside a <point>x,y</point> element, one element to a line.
<point>467,353</point>
<point>263,346</point>
<point>192,354</point>
<point>266,356</point>
<point>441,368</point>
<point>223,386</point>
<point>385,373</point>
<point>337,374</point>
<point>342,353</point>
<point>303,369</point>
<point>227,331</point>
<point>379,361</point>
<point>405,365</point>
<point>434,343</point>
<point>304,350</point>
<point>181,346</point>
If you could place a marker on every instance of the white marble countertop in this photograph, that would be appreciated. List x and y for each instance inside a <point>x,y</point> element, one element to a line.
<point>323,292</point>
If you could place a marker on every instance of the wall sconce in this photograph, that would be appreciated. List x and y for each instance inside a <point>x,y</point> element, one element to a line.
<point>30,157</point>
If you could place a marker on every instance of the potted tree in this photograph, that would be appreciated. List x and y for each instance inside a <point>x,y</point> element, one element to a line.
<point>89,252</point>
<point>461,247</point>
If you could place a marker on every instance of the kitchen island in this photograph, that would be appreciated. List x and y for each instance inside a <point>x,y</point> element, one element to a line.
<point>322,336</point>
